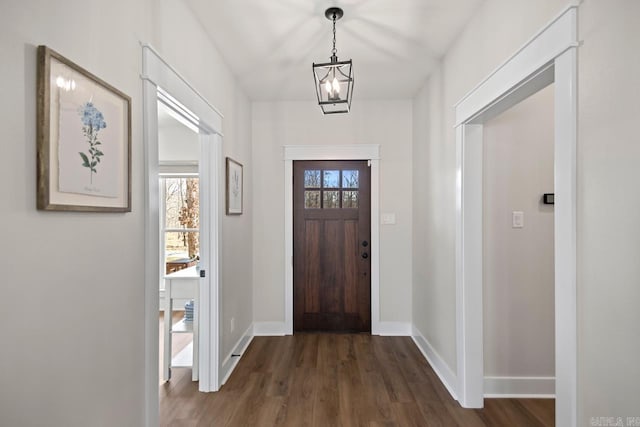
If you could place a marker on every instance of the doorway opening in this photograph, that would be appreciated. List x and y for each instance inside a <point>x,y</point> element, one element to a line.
<point>164,87</point>
<point>179,209</point>
<point>332,235</point>
<point>549,57</point>
<point>518,252</point>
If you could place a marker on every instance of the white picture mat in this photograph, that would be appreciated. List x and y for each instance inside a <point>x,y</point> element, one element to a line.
<point>235,187</point>
<point>66,142</point>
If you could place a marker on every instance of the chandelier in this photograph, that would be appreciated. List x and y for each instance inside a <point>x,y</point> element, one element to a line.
<point>334,80</point>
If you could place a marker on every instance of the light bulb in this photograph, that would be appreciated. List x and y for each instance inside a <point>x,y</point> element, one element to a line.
<point>336,85</point>
<point>327,87</point>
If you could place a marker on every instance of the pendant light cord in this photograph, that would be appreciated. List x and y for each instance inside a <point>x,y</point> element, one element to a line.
<point>334,51</point>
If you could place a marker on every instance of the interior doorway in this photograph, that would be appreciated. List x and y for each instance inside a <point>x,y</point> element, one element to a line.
<point>518,250</point>
<point>179,208</point>
<point>549,57</point>
<point>332,235</point>
<point>162,83</point>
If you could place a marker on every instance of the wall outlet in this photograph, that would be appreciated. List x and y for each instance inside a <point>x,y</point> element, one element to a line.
<point>232,324</point>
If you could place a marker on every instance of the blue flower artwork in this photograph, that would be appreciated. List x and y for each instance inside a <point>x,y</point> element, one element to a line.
<point>92,122</point>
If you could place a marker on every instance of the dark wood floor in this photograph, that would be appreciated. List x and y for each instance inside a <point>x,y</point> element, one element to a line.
<point>336,380</point>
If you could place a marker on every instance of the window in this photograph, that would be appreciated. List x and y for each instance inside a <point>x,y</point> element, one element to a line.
<point>180,222</point>
<point>331,189</point>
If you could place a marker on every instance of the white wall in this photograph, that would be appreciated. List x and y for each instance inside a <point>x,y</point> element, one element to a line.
<point>608,239</point>
<point>72,305</point>
<point>72,283</point>
<point>518,265</point>
<point>433,225</point>
<point>176,142</point>
<point>608,210</point>
<point>496,31</point>
<point>183,42</point>
<point>276,124</point>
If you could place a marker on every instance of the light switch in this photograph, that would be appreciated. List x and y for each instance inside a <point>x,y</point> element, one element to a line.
<point>388,218</point>
<point>517,219</point>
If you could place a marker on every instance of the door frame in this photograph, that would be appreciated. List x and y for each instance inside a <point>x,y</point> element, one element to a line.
<point>549,57</point>
<point>332,152</point>
<point>157,75</point>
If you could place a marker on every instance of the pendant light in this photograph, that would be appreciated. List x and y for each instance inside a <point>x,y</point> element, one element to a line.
<point>334,80</point>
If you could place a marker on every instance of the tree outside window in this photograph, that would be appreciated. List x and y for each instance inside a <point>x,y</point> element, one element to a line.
<point>181,197</point>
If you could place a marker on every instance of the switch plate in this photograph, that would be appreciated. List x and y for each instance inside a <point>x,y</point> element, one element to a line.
<point>388,218</point>
<point>517,219</point>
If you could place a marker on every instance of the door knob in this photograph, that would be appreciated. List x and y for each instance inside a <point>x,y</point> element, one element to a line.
<point>365,255</point>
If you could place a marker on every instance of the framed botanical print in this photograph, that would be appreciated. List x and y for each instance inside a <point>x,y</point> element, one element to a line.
<point>83,139</point>
<point>234,187</point>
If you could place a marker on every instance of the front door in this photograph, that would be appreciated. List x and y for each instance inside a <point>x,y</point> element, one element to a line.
<point>331,246</point>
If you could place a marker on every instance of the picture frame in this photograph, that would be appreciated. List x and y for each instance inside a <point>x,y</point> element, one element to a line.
<point>234,186</point>
<point>83,139</point>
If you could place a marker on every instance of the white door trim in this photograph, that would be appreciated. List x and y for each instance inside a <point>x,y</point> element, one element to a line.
<point>332,152</point>
<point>549,56</point>
<point>157,73</point>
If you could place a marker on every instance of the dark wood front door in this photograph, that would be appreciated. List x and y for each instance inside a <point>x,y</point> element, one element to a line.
<point>331,246</point>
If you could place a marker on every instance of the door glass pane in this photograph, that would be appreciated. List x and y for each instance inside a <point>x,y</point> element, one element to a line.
<point>350,179</point>
<point>331,179</point>
<point>312,179</point>
<point>331,199</point>
<point>349,199</point>
<point>312,199</point>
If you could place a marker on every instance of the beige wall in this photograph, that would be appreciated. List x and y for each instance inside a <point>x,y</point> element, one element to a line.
<point>277,124</point>
<point>608,210</point>
<point>518,265</point>
<point>177,143</point>
<point>496,31</point>
<point>608,239</point>
<point>433,224</point>
<point>72,304</point>
<point>182,41</point>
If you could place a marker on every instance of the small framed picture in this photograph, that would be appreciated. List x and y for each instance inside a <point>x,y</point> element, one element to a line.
<point>234,187</point>
<point>83,139</point>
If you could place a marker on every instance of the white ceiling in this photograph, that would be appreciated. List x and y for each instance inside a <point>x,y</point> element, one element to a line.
<point>271,44</point>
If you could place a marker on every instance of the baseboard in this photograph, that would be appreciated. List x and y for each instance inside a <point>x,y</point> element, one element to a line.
<point>393,329</point>
<point>269,329</point>
<point>437,363</point>
<point>520,387</point>
<point>232,359</point>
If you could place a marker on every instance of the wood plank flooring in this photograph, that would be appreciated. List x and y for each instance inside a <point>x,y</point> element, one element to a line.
<point>336,380</point>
